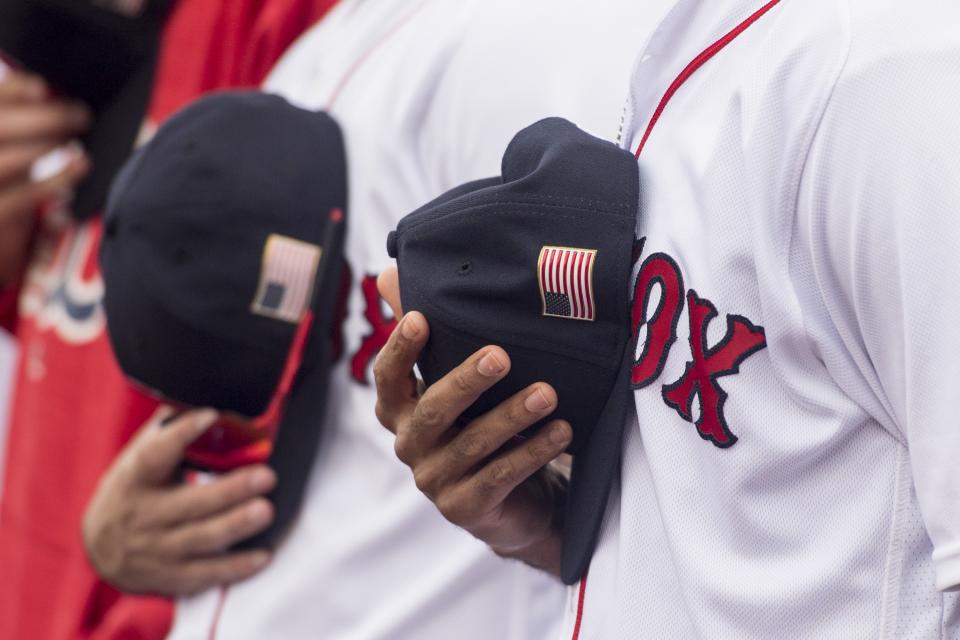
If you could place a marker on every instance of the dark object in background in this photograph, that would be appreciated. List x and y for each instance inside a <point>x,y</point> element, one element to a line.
<point>538,261</point>
<point>102,52</point>
<point>221,258</point>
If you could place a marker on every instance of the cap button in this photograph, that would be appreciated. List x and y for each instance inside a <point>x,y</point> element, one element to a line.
<point>392,244</point>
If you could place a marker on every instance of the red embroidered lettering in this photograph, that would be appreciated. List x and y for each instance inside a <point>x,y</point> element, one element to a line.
<point>381,326</point>
<point>700,377</point>
<point>660,269</point>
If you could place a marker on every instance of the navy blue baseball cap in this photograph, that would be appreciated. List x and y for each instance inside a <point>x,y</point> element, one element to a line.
<point>538,261</point>
<point>221,259</point>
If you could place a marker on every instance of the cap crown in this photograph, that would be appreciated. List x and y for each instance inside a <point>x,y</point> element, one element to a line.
<point>474,262</point>
<point>187,225</point>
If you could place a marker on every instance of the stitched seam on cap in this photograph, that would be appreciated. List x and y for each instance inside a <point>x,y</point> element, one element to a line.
<point>442,216</point>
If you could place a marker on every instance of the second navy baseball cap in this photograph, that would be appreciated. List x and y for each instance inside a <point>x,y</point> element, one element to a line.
<point>221,258</point>
<point>538,261</point>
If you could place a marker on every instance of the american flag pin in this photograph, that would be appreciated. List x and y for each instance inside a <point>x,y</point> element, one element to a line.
<point>287,275</point>
<point>565,275</point>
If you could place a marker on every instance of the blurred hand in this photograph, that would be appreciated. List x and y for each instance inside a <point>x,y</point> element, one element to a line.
<point>31,125</point>
<point>506,496</point>
<point>145,532</point>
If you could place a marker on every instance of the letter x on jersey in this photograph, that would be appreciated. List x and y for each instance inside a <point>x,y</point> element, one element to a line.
<point>707,364</point>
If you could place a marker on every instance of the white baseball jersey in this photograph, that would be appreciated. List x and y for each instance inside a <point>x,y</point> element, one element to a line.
<point>794,468</point>
<point>428,95</point>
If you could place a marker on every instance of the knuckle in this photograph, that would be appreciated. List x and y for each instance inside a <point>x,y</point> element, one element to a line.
<point>384,416</point>
<point>218,538</point>
<point>455,509</point>
<point>538,452</point>
<point>225,494</point>
<point>182,545</point>
<point>109,557</point>
<point>239,566</point>
<point>232,568</point>
<point>463,383</point>
<point>240,488</point>
<point>469,445</point>
<point>396,346</point>
<point>208,539</point>
<point>403,448</point>
<point>515,415</point>
<point>428,416</point>
<point>425,478</point>
<point>499,474</point>
<point>380,376</point>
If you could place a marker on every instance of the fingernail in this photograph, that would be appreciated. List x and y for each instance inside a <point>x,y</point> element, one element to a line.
<point>262,480</point>
<point>536,401</point>
<point>490,365</point>
<point>258,514</point>
<point>558,434</point>
<point>410,327</point>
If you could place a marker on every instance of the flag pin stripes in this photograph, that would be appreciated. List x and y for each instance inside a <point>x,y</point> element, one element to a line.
<point>287,276</point>
<point>565,275</point>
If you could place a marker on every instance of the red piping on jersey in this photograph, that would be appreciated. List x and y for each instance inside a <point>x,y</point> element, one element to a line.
<point>217,613</point>
<point>580,598</point>
<point>698,62</point>
<point>688,71</point>
<point>352,69</point>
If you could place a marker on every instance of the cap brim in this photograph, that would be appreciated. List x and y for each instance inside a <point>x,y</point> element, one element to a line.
<point>594,468</point>
<point>112,138</point>
<point>294,452</point>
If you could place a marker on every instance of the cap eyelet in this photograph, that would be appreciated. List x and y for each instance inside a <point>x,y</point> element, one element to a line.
<point>465,268</point>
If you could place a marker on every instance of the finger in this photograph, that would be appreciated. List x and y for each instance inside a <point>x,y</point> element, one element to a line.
<point>217,533</point>
<point>22,87</point>
<point>17,159</point>
<point>195,501</point>
<point>201,574</point>
<point>448,397</point>
<point>393,370</point>
<point>58,184</point>
<point>158,450</point>
<point>490,486</point>
<point>42,121</point>
<point>20,203</point>
<point>488,433</point>
<point>388,284</point>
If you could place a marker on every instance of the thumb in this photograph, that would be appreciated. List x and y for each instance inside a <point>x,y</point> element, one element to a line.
<point>158,449</point>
